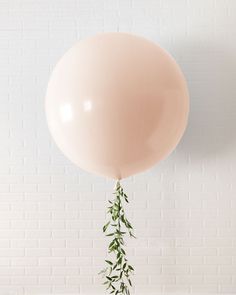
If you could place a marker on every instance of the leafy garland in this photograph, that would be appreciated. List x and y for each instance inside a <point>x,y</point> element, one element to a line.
<point>117,273</point>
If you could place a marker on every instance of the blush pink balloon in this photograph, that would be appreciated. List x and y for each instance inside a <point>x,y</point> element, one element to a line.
<point>116,104</point>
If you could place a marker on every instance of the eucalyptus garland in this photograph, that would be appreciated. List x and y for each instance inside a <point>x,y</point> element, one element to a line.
<point>117,271</point>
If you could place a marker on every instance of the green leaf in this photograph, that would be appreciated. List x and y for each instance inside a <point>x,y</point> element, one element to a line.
<point>118,255</point>
<point>106,226</point>
<point>106,282</point>
<point>130,267</point>
<point>109,262</point>
<point>123,218</point>
<point>114,267</point>
<point>123,251</point>
<point>112,243</point>
<point>133,236</point>
<point>119,260</point>
<point>108,286</point>
<point>103,271</point>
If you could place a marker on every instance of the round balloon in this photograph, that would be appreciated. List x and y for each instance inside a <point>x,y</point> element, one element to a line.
<point>116,104</point>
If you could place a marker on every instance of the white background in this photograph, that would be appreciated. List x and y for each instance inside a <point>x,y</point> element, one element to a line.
<point>51,212</point>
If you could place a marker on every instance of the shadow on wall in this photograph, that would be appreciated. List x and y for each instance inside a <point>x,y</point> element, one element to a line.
<point>210,71</point>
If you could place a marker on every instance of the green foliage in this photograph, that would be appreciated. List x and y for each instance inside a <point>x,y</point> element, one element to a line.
<point>117,272</point>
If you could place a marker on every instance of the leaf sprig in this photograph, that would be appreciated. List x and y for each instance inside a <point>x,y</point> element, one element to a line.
<point>117,273</point>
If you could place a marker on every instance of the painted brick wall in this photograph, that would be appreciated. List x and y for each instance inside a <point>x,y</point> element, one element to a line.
<point>51,212</point>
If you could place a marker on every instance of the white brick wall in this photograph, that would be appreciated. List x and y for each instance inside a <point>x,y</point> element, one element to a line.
<point>183,209</point>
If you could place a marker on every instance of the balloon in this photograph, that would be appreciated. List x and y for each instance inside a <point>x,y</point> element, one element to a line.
<point>116,104</point>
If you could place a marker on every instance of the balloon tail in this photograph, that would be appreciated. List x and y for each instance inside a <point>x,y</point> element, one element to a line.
<point>117,272</point>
